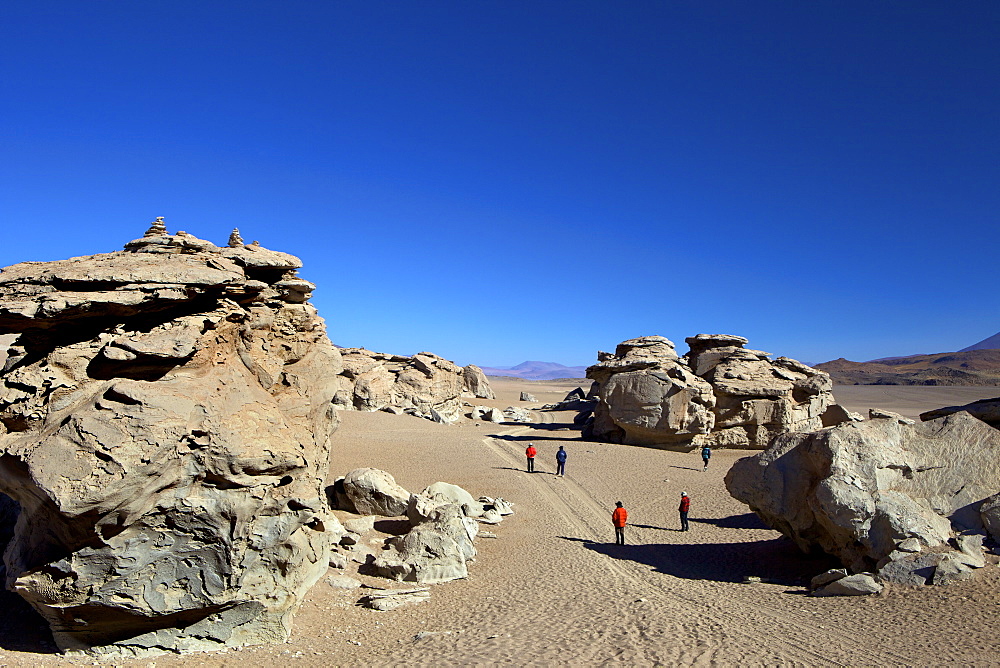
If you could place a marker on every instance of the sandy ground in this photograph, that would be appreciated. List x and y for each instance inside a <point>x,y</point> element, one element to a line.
<point>552,588</point>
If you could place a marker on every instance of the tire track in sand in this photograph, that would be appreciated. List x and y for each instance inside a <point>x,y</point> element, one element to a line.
<point>750,621</point>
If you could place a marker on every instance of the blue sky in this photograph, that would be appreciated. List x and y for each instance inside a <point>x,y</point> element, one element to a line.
<point>502,181</point>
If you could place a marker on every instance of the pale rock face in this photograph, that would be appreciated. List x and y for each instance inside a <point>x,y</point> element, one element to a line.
<point>871,492</point>
<point>165,425</point>
<point>373,381</point>
<point>477,386</point>
<point>438,548</point>
<point>375,492</point>
<point>719,394</point>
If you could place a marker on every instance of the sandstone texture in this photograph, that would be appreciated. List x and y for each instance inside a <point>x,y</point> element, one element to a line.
<point>424,385</point>
<point>719,394</point>
<point>880,495</point>
<point>165,422</point>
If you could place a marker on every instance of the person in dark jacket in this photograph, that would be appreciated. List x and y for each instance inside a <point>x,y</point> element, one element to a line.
<point>619,518</point>
<point>706,454</point>
<point>683,509</point>
<point>530,453</point>
<point>561,461</point>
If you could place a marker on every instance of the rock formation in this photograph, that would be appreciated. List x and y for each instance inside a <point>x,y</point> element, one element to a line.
<point>720,394</point>
<point>477,386</point>
<point>423,384</point>
<point>165,424</point>
<point>879,494</point>
<point>987,410</point>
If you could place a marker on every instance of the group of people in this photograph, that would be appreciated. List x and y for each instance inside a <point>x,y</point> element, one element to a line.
<point>530,452</point>
<point>619,516</point>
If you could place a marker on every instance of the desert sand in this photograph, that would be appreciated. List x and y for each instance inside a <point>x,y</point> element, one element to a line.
<point>552,588</point>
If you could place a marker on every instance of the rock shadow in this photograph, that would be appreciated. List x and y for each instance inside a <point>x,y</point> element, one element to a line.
<point>744,521</point>
<point>776,561</point>
<point>21,628</point>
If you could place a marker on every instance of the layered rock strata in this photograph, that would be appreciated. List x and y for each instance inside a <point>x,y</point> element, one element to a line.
<point>165,423</point>
<point>880,495</point>
<point>719,394</point>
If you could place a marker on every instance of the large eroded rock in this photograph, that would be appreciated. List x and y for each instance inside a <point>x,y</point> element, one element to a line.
<point>719,394</point>
<point>165,423</point>
<point>877,493</point>
<point>424,384</point>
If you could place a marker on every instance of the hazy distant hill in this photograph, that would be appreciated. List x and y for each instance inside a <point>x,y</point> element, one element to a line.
<point>968,367</point>
<point>990,343</point>
<point>538,371</point>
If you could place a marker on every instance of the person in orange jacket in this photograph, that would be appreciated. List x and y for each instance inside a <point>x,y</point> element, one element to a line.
<point>683,510</point>
<point>619,517</point>
<point>530,454</point>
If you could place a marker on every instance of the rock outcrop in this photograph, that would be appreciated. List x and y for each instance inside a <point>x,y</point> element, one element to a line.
<point>423,384</point>
<point>477,386</point>
<point>987,410</point>
<point>719,394</point>
<point>165,423</point>
<point>879,494</point>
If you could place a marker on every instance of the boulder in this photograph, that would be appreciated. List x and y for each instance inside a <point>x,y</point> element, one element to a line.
<point>423,384</point>
<point>476,384</point>
<point>575,395</point>
<point>827,577</point>
<point>165,427</point>
<point>517,414</point>
<point>880,414</point>
<point>987,410</point>
<point>862,490</point>
<point>719,394</point>
<point>375,492</point>
<point>394,598</point>
<point>444,492</point>
<point>859,584</point>
<point>487,414</point>
<point>527,396</point>
<point>425,554</point>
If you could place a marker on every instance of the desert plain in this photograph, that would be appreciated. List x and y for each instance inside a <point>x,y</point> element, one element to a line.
<point>551,588</point>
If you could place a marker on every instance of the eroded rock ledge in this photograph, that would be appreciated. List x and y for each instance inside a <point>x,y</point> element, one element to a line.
<point>165,422</point>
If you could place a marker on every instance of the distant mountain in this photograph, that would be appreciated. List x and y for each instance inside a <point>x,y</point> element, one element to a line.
<point>968,367</point>
<point>538,371</point>
<point>992,343</point>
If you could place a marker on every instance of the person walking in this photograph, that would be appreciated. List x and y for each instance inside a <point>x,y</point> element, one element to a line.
<point>683,509</point>
<point>561,462</point>
<point>619,517</point>
<point>530,453</point>
<point>706,454</point>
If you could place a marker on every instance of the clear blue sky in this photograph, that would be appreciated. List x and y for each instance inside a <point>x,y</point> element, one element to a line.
<point>501,181</point>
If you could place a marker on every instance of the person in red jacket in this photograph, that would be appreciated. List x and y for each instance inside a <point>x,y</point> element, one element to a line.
<point>530,454</point>
<point>619,517</point>
<point>683,509</point>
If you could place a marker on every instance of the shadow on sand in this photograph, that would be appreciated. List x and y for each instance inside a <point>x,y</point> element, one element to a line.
<point>778,560</point>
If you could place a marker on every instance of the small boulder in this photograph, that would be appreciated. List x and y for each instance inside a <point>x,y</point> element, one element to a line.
<point>879,414</point>
<point>343,582</point>
<point>860,584</point>
<point>526,396</point>
<point>375,492</point>
<point>826,578</point>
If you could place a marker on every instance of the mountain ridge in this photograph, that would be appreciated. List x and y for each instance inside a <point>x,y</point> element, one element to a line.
<point>536,370</point>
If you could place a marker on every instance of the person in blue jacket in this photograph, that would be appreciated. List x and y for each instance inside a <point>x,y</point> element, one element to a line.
<point>561,462</point>
<point>706,454</point>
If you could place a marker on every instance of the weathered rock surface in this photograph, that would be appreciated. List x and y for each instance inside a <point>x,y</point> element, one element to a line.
<point>165,423</point>
<point>487,414</point>
<point>872,493</point>
<point>719,394</point>
<point>527,396</point>
<point>859,584</point>
<point>476,384</point>
<point>423,384</point>
<point>375,492</point>
<point>987,410</point>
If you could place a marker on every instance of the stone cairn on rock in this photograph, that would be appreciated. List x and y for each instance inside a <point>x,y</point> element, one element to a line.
<point>235,239</point>
<point>719,394</point>
<point>444,521</point>
<point>166,415</point>
<point>910,503</point>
